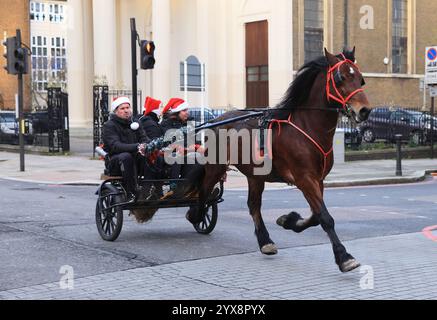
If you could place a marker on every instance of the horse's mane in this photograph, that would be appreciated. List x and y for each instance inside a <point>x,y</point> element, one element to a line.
<point>299,90</point>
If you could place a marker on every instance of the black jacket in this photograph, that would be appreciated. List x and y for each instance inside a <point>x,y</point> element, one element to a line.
<point>118,137</point>
<point>171,123</point>
<point>151,126</point>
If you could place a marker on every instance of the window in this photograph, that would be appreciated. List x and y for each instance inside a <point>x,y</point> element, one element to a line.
<point>49,63</point>
<point>194,76</point>
<point>259,73</point>
<point>37,11</point>
<point>56,13</point>
<point>313,26</point>
<point>399,37</point>
<point>39,63</point>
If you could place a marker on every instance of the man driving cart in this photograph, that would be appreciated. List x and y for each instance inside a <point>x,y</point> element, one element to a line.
<point>123,139</point>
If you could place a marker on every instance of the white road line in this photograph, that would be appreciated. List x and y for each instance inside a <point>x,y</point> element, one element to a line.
<point>386,197</point>
<point>363,195</point>
<point>421,217</point>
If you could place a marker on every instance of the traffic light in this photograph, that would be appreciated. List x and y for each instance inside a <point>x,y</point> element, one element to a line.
<point>147,51</point>
<point>16,57</point>
<point>10,45</point>
<point>20,63</point>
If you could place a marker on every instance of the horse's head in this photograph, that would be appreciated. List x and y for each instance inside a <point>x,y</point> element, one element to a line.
<point>344,85</point>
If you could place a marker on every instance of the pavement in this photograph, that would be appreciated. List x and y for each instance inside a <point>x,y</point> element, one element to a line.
<point>81,169</point>
<point>299,273</point>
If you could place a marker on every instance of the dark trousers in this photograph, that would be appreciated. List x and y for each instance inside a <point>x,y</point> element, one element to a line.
<point>124,164</point>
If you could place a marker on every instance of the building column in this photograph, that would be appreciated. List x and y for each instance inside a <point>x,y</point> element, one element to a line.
<point>80,69</point>
<point>280,50</point>
<point>161,37</point>
<point>105,49</point>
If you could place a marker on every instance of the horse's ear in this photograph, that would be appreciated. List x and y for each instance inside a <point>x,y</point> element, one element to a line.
<point>332,60</point>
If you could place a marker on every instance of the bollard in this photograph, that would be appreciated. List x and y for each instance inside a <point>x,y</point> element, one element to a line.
<point>398,138</point>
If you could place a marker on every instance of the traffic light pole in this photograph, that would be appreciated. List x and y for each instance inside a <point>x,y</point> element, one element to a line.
<point>20,109</point>
<point>134,65</point>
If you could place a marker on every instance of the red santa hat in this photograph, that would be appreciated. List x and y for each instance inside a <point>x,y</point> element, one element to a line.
<point>116,102</point>
<point>179,106</point>
<point>170,104</point>
<point>150,105</point>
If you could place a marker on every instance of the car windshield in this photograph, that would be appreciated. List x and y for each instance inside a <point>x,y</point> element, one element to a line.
<point>7,117</point>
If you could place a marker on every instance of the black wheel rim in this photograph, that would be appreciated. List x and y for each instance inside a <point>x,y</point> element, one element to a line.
<point>108,217</point>
<point>206,219</point>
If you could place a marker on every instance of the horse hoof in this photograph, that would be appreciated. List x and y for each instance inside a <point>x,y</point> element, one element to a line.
<point>349,265</point>
<point>269,249</point>
<point>289,221</point>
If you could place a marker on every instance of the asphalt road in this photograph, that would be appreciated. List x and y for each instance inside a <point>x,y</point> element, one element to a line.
<point>44,227</point>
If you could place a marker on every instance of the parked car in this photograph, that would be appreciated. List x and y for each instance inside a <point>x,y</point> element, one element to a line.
<point>9,129</point>
<point>195,114</point>
<point>384,123</point>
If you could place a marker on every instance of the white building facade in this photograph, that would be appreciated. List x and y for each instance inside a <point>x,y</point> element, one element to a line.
<point>213,33</point>
<point>48,41</point>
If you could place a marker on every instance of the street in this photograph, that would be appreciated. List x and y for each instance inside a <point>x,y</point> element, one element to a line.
<point>45,227</point>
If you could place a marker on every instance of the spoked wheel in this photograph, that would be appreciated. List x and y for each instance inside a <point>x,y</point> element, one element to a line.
<point>109,221</point>
<point>209,220</point>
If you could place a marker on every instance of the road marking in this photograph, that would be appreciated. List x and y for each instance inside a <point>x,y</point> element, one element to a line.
<point>411,199</point>
<point>363,209</point>
<point>285,201</point>
<point>427,232</point>
<point>386,197</point>
<point>393,213</point>
<point>363,195</point>
<point>421,217</point>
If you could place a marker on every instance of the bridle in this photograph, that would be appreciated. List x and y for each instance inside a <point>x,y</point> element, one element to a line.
<point>334,79</point>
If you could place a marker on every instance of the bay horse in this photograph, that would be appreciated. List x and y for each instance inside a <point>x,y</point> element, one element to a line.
<point>303,127</point>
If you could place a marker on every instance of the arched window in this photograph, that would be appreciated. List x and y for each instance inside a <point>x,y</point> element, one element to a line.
<point>194,75</point>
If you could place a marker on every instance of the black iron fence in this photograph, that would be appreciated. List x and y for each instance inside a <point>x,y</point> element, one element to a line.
<point>47,129</point>
<point>102,98</point>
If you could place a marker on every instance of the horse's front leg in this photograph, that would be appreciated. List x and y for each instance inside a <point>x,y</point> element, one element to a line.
<point>313,193</point>
<point>256,188</point>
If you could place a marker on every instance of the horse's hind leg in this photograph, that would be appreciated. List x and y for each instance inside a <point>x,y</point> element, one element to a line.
<point>314,195</point>
<point>256,188</point>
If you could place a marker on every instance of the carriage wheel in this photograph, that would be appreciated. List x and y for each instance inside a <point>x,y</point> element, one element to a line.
<point>209,220</point>
<point>109,222</point>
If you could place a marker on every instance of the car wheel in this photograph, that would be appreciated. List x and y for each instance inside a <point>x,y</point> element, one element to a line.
<point>368,135</point>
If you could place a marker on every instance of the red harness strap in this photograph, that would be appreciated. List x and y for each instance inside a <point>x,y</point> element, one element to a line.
<point>331,79</point>
<point>288,121</point>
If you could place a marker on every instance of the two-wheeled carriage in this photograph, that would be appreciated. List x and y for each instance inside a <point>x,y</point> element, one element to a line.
<point>151,196</point>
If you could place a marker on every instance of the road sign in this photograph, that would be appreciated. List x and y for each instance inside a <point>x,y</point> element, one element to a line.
<point>433,91</point>
<point>431,65</point>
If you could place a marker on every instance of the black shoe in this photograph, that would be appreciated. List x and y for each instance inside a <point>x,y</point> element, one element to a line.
<point>131,198</point>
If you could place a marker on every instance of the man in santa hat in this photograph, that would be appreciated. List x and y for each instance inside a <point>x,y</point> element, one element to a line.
<point>150,120</point>
<point>123,139</point>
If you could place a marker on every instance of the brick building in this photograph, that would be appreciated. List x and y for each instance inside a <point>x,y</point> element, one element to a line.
<point>396,31</point>
<point>14,14</point>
